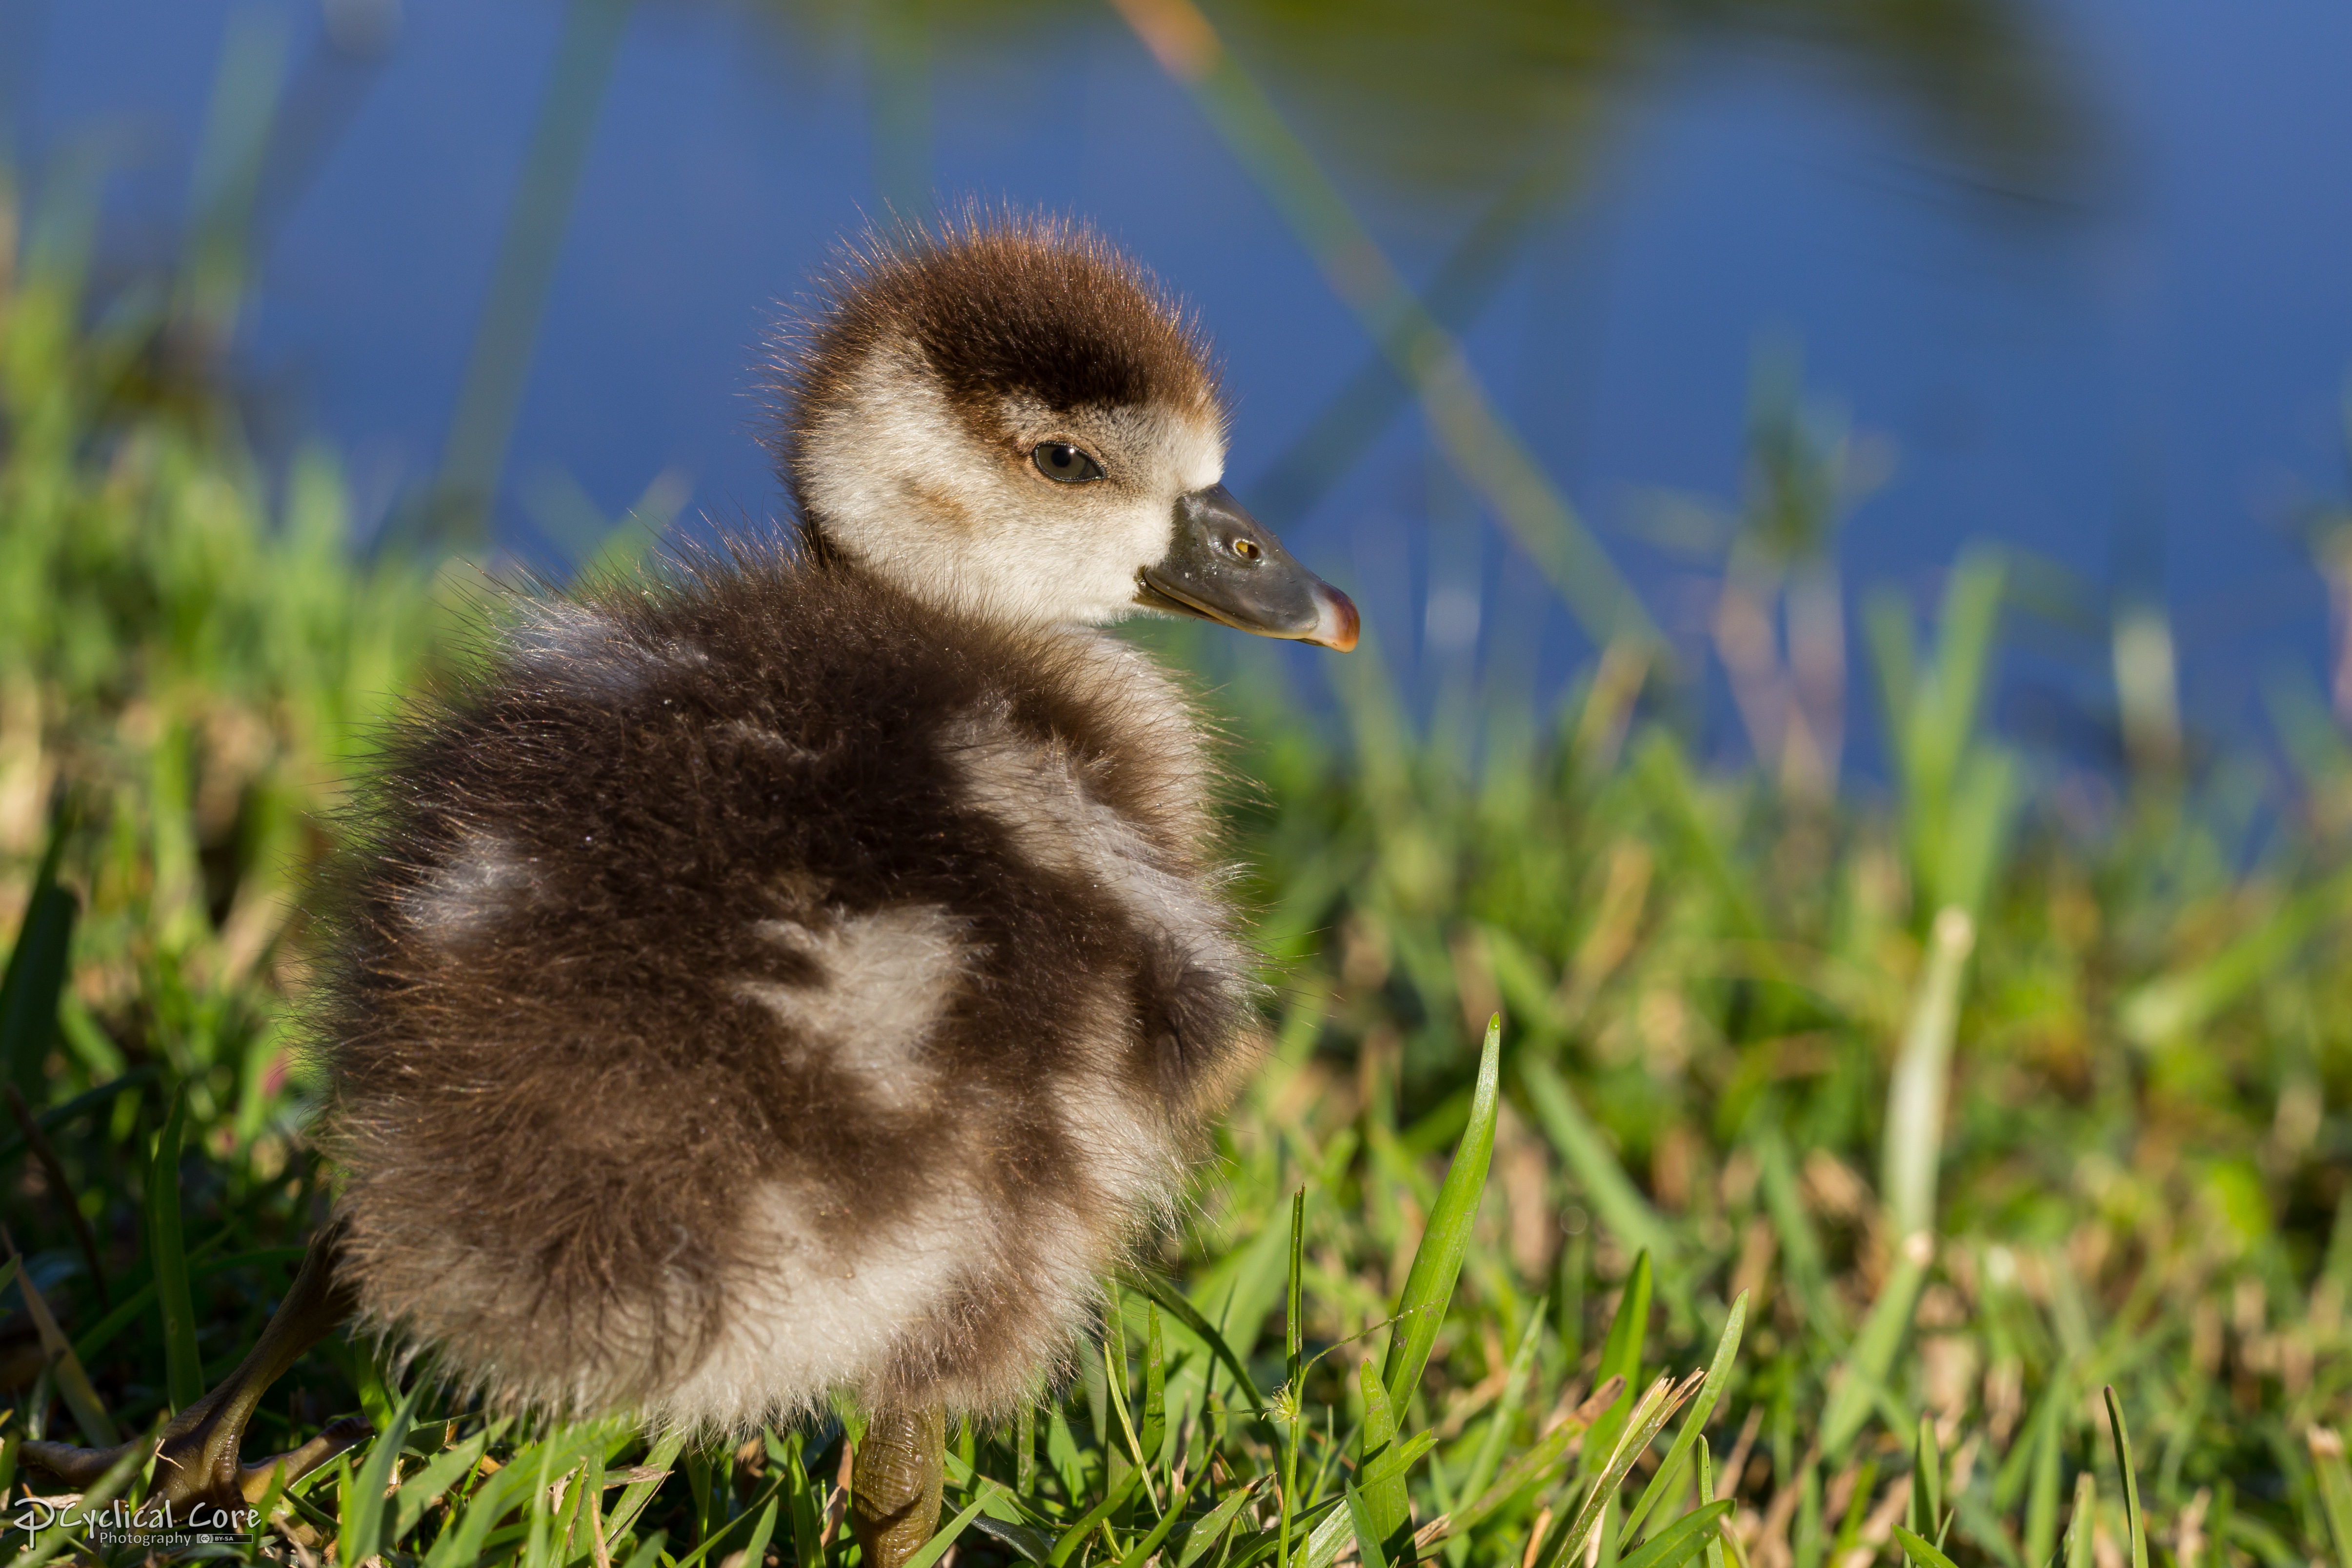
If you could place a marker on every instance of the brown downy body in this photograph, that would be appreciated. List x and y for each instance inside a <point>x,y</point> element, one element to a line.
<point>808,971</point>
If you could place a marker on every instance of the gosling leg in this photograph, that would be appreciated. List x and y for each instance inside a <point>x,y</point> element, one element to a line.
<point>196,1459</point>
<point>894,1485</point>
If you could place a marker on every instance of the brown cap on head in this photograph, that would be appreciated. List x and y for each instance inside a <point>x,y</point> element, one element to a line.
<point>996,305</point>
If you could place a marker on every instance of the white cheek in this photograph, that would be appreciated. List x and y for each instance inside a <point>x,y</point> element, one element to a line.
<point>1200,453</point>
<point>904,489</point>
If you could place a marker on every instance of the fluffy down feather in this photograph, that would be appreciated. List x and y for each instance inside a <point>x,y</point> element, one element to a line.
<point>764,983</point>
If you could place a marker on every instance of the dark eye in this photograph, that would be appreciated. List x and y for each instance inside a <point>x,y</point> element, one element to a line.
<point>1247,550</point>
<point>1060,460</point>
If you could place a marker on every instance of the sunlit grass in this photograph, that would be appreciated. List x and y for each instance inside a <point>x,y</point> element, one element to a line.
<point>1832,1163</point>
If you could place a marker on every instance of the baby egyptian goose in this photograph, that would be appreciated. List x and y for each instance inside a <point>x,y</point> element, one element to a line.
<point>807,973</point>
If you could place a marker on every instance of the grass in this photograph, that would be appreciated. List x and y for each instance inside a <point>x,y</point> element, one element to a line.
<point>1932,1179</point>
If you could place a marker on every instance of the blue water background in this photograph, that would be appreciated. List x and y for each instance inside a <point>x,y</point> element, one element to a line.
<point>2141,384</point>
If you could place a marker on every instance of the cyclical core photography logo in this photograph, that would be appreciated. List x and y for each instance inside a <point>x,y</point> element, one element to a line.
<point>129,1524</point>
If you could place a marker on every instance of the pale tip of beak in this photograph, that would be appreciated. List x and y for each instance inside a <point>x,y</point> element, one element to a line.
<point>1336,624</point>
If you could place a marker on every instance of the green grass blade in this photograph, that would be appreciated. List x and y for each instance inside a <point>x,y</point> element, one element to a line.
<point>1072,1538</point>
<point>1621,1356</point>
<point>1923,1553</point>
<point>1657,1407</point>
<point>1325,1541</point>
<point>1294,1326</point>
<point>1800,1245</point>
<point>1368,1533</point>
<point>1714,1558</point>
<point>35,978</point>
<point>1855,1390</point>
<point>1155,1388</point>
<point>56,1535</point>
<point>2045,1457</point>
<point>64,1115</point>
<point>1386,1502</point>
<point>2134,1518</point>
<point>1117,1386</point>
<point>1170,1301</point>
<point>72,1383</point>
<point>2080,1528</point>
<point>2174,1006</point>
<point>1437,1263</point>
<point>1913,1145</point>
<point>755,1550</point>
<point>1393,1462</point>
<point>460,1543</point>
<point>1718,1374</point>
<point>1930,1518</point>
<point>764,1504</point>
<point>363,1529</point>
<point>441,1472</point>
<point>183,1370</point>
<point>1680,1542</point>
<point>2326,1446</point>
<point>1143,1550</point>
<point>638,1493</point>
<point>1529,1467</point>
<point>1615,1200</point>
<point>1482,1464</point>
<point>1212,1528</point>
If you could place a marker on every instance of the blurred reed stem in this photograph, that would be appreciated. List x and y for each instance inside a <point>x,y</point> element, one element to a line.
<point>899,95</point>
<point>459,509</point>
<point>1472,432</point>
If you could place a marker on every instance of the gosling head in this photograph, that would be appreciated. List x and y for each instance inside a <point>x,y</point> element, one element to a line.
<point>1010,420</point>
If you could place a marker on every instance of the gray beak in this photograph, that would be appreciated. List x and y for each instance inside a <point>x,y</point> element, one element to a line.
<point>1222,564</point>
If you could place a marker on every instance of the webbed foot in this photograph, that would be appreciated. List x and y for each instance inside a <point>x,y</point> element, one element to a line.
<point>196,1458</point>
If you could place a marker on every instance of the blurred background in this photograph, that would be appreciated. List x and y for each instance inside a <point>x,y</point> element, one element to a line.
<point>2062,276</point>
<point>1849,503</point>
